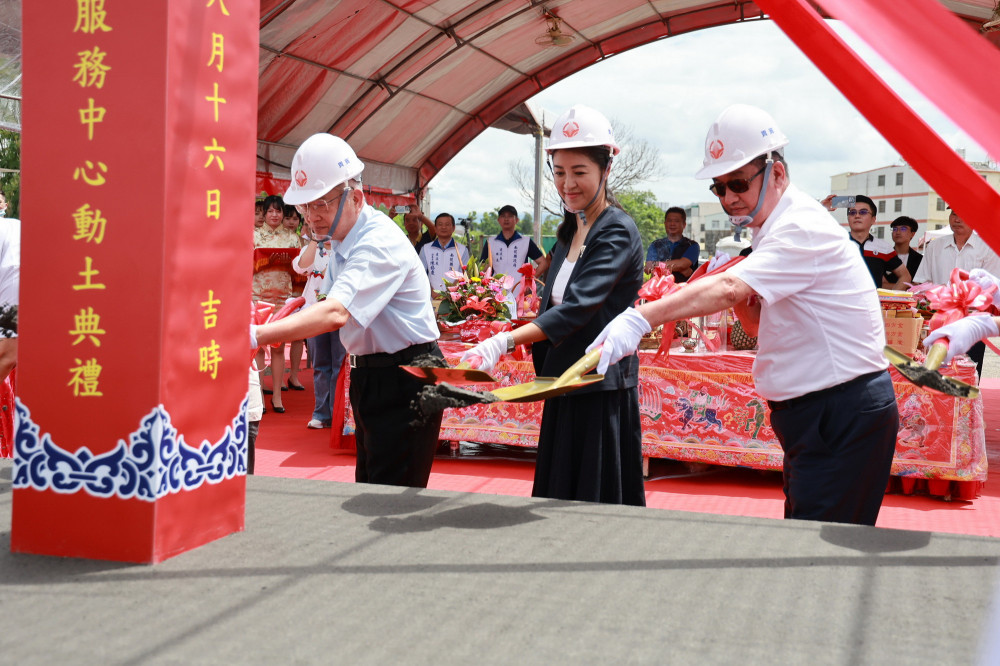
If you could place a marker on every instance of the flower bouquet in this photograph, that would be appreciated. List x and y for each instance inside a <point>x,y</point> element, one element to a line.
<point>473,298</point>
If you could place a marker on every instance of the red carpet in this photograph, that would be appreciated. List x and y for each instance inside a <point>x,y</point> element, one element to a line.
<point>286,448</point>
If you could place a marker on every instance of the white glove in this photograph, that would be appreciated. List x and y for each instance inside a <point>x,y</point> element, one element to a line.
<point>253,336</point>
<point>719,259</point>
<point>962,334</point>
<point>487,353</point>
<point>620,338</point>
<point>984,279</point>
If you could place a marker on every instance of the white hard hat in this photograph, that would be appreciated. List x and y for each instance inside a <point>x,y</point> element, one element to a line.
<point>580,127</point>
<point>740,133</point>
<point>322,162</point>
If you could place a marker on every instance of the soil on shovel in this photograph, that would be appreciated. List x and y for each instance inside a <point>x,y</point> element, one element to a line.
<point>428,361</point>
<point>436,398</point>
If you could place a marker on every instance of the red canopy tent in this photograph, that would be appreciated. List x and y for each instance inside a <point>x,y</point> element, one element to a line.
<point>268,183</point>
<point>410,82</point>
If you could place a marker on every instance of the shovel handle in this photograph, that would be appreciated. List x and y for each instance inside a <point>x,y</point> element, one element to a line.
<point>580,368</point>
<point>937,354</point>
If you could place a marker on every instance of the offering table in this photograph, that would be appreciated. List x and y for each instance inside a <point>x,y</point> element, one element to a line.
<point>704,408</point>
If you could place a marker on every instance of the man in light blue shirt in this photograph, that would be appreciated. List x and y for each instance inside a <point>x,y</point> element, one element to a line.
<point>378,296</point>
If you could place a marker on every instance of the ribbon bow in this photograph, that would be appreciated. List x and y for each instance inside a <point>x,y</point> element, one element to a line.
<point>658,286</point>
<point>525,302</point>
<point>954,300</point>
<point>662,283</point>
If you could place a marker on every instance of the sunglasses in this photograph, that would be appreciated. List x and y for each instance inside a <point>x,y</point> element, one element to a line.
<point>901,227</point>
<point>851,212</point>
<point>737,185</point>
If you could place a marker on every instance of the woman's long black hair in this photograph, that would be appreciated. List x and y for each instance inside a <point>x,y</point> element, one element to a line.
<point>600,155</point>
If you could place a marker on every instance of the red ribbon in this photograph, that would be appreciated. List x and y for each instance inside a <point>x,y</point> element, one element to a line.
<point>259,312</point>
<point>524,303</point>
<point>658,286</point>
<point>262,313</point>
<point>662,283</point>
<point>954,300</point>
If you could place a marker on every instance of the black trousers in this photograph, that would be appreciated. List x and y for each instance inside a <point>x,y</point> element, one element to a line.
<point>590,448</point>
<point>252,428</point>
<point>838,446</point>
<point>977,353</point>
<point>395,441</point>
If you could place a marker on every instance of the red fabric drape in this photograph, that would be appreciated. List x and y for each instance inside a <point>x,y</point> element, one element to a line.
<point>916,47</point>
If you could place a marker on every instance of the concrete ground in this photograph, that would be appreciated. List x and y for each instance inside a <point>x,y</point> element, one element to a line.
<point>354,574</point>
<point>348,574</point>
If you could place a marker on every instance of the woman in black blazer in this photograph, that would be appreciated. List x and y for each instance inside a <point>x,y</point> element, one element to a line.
<point>589,447</point>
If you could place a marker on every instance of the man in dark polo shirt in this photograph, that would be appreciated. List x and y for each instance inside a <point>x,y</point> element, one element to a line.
<point>903,229</point>
<point>677,251</point>
<point>879,255</point>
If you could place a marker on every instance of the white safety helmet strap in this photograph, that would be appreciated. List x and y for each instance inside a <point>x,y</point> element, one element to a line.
<point>740,222</point>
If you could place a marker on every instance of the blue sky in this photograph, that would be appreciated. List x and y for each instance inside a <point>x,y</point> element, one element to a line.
<point>669,92</point>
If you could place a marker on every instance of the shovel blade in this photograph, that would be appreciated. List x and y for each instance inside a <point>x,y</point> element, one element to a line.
<point>541,388</point>
<point>927,378</point>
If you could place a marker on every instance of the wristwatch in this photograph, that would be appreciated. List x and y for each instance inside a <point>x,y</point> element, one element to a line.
<point>510,342</point>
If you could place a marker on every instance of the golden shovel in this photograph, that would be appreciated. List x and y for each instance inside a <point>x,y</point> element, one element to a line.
<point>927,375</point>
<point>437,398</point>
<point>548,387</point>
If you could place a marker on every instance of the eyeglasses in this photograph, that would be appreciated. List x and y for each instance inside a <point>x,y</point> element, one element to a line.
<point>901,227</point>
<point>320,206</point>
<point>851,212</point>
<point>737,185</point>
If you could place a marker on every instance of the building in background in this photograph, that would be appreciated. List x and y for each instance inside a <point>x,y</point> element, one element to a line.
<point>897,190</point>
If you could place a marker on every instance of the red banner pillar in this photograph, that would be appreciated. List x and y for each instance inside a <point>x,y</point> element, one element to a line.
<point>137,201</point>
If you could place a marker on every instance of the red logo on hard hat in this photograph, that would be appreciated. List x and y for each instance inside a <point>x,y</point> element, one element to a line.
<point>571,129</point>
<point>301,178</point>
<point>715,149</point>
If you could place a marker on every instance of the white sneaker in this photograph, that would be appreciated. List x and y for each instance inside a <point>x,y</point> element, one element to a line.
<point>316,424</point>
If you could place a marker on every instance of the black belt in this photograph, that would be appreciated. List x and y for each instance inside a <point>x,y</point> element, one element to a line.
<point>384,360</point>
<point>777,405</point>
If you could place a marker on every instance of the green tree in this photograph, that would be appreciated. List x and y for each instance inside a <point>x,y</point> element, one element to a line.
<point>526,227</point>
<point>641,206</point>
<point>10,181</point>
<point>489,225</point>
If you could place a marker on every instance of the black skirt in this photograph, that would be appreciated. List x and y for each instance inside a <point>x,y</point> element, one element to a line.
<point>590,448</point>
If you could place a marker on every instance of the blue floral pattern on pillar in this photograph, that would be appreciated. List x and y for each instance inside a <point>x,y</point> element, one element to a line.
<point>155,462</point>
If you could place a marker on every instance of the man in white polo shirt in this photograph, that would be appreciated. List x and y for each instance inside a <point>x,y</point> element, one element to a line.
<point>962,249</point>
<point>443,255</point>
<point>805,291</point>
